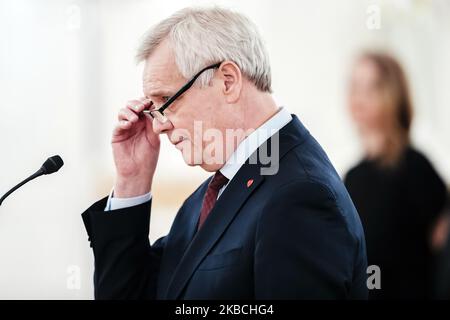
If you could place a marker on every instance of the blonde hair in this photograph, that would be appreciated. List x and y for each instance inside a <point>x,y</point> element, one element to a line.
<point>397,101</point>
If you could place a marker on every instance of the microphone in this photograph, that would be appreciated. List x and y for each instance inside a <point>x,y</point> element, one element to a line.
<point>50,165</point>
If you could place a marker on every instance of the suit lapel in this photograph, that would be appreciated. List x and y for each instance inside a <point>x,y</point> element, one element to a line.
<point>225,209</point>
<point>181,234</point>
<point>218,220</point>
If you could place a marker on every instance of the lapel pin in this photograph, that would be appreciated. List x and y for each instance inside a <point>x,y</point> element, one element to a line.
<point>249,183</point>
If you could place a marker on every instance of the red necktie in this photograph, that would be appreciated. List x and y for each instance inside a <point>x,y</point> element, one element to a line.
<point>216,183</point>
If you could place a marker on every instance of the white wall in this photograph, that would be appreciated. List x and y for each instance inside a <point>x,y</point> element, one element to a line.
<point>66,67</point>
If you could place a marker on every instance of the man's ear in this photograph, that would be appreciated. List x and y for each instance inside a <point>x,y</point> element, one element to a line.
<point>232,81</point>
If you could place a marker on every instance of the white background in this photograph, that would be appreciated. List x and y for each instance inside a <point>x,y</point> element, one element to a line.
<point>67,67</point>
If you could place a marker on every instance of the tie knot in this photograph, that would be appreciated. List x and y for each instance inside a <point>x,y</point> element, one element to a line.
<point>218,181</point>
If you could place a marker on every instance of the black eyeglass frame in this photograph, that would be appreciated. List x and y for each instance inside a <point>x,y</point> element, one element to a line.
<point>179,92</point>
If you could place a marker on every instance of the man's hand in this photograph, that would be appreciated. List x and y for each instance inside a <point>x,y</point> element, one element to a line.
<point>135,149</point>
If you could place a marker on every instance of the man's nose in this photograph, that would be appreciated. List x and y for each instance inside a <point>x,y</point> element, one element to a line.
<point>159,127</point>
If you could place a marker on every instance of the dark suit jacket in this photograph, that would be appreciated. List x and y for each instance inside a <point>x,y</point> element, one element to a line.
<point>292,235</point>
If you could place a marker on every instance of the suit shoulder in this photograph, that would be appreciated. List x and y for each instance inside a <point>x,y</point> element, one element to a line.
<point>308,162</point>
<point>311,181</point>
<point>308,202</point>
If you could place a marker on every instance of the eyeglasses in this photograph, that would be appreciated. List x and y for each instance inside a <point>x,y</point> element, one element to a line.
<point>158,114</point>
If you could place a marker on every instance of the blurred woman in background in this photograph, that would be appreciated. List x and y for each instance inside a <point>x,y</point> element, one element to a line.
<point>396,190</point>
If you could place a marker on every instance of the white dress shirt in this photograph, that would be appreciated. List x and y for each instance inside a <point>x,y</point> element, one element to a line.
<point>244,150</point>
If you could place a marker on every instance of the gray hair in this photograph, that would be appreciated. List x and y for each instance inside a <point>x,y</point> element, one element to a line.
<point>204,36</point>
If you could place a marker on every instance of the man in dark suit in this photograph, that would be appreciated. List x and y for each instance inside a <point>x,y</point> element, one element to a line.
<point>274,221</point>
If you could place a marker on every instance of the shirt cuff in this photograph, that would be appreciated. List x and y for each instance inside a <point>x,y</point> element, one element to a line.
<point>120,203</point>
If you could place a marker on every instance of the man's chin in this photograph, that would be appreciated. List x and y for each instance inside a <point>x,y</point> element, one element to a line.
<point>190,161</point>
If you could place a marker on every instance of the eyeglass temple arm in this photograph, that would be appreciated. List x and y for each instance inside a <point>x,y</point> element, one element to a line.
<point>187,86</point>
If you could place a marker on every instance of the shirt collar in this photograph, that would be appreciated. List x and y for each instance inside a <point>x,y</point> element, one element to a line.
<point>253,141</point>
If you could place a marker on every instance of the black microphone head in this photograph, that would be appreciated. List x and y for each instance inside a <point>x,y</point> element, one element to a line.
<point>52,164</point>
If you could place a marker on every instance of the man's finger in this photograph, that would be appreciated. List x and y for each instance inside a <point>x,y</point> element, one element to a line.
<point>127,114</point>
